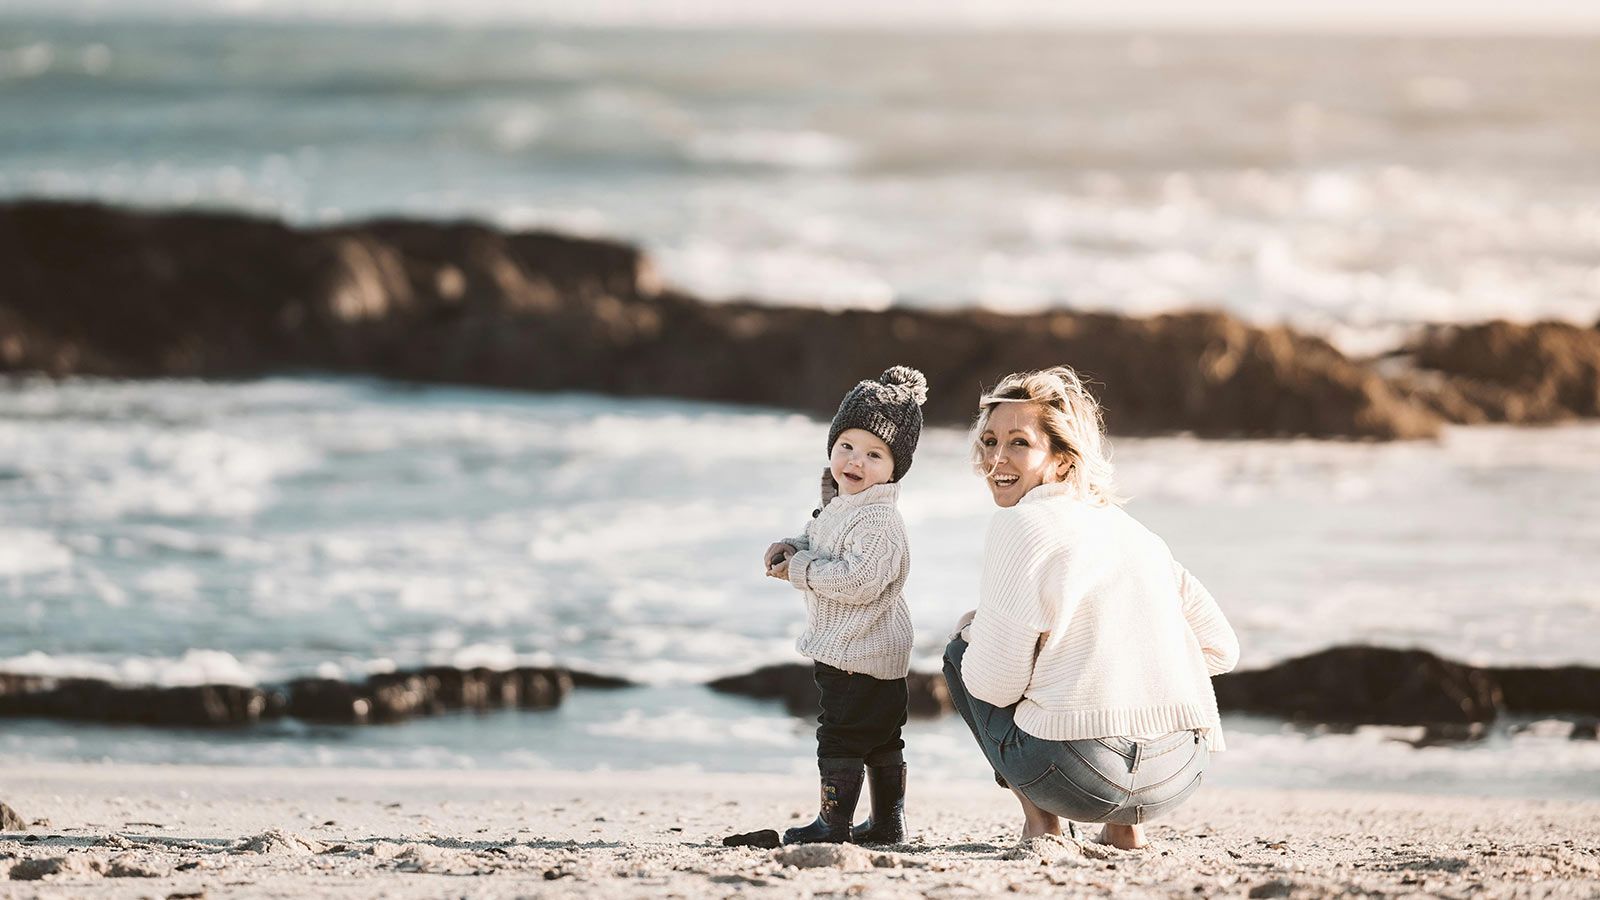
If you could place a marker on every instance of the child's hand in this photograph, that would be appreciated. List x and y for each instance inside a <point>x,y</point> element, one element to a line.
<point>780,570</point>
<point>777,553</point>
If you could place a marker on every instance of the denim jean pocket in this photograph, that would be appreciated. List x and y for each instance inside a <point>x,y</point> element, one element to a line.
<point>1000,725</point>
<point>1056,791</point>
<point>1141,812</point>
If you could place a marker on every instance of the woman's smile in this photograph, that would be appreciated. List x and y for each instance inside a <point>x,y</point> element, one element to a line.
<point>1017,452</point>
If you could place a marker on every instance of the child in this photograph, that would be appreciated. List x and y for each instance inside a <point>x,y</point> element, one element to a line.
<point>852,563</point>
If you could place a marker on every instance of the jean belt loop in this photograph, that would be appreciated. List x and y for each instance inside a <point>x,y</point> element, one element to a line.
<point>1138,753</point>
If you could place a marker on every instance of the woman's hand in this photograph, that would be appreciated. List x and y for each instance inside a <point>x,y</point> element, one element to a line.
<point>777,556</point>
<point>963,622</point>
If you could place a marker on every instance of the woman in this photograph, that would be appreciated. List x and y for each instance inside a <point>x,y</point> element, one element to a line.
<point>1085,671</point>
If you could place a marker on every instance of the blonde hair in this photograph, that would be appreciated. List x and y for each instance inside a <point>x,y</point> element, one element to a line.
<point>1070,417</point>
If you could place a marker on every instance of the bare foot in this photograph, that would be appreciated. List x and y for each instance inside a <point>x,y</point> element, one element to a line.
<point>1124,837</point>
<point>1036,821</point>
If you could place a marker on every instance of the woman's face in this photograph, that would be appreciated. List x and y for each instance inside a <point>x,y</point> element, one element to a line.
<point>1016,453</point>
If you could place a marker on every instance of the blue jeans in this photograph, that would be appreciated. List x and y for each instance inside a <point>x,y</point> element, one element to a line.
<point>1109,779</point>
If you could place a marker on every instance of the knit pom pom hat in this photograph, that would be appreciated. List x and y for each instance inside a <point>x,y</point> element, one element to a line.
<point>890,408</point>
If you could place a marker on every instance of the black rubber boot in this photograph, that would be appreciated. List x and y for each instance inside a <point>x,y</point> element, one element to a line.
<point>841,788</point>
<point>887,824</point>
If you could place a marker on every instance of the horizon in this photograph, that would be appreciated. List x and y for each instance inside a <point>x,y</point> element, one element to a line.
<point>1361,17</point>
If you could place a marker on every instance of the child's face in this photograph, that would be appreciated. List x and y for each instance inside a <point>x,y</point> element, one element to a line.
<point>860,460</point>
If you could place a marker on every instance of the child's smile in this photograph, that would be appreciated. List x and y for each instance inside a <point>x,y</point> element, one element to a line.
<point>860,460</point>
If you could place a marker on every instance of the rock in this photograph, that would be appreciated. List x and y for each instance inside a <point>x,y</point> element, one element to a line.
<point>207,705</point>
<point>1370,685</point>
<point>592,680</point>
<point>397,696</point>
<point>388,697</point>
<point>92,699</point>
<point>329,700</point>
<point>542,688</point>
<point>1506,372</point>
<point>766,838</point>
<point>1559,689</point>
<point>226,295</point>
<point>1585,731</point>
<point>20,694</point>
<point>10,821</point>
<point>795,685</point>
<point>476,688</point>
<point>482,689</point>
<point>928,697</point>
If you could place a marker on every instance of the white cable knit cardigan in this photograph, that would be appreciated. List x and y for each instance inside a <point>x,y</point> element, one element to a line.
<point>852,565</point>
<point>1085,618</point>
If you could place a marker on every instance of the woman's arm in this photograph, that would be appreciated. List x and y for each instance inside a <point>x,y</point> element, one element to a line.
<point>874,548</point>
<point>1016,599</point>
<point>1217,640</point>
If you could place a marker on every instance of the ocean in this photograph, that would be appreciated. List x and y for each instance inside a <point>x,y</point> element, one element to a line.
<point>175,532</point>
<point>1351,186</point>
<point>1354,187</point>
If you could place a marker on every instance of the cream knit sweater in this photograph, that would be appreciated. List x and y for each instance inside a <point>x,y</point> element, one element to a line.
<point>852,565</point>
<point>1085,618</point>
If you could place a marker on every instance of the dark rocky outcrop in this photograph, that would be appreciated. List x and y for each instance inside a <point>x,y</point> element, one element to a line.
<point>397,696</point>
<point>1562,690</point>
<point>1367,685</point>
<point>1382,686</point>
<point>86,289</point>
<point>793,683</point>
<point>1506,372</point>
<point>383,698</point>
<point>329,700</point>
<point>1352,685</point>
<point>91,699</point>
<point>593,680</point>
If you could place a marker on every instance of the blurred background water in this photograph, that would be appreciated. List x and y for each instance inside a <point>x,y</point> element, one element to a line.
<point>185,532</point>
<point>1351,185</point>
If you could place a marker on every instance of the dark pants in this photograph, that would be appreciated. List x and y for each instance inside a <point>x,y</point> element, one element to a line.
<point>861,716</point>
<point>1106,779</point>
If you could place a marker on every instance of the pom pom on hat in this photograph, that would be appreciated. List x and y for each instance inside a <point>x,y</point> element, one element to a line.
<point>908,377</point>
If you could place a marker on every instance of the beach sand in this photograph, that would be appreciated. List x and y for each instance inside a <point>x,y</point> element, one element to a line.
<point>189,832</point>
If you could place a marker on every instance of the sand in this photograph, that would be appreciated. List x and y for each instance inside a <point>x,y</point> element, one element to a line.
<point>189,832</point>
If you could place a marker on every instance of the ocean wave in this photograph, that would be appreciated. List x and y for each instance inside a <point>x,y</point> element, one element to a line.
<point>683,726</point>
<point>778,149</point>
<point>195,667</point>
<point>1447,183</point>
<point>28,552</point>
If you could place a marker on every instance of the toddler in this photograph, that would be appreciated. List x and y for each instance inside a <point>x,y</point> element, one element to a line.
<point>851,565</point>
